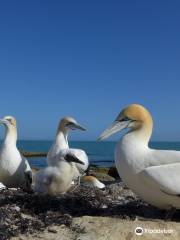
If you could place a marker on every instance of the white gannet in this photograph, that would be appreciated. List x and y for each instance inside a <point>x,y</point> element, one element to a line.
<point>14,168</point>
<point>152,174</point>
<point>57,179</point>
<point>93,181</point>
<point>61,146</point>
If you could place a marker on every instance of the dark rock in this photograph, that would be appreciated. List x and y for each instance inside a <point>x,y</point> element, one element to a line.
<point>113,173</point>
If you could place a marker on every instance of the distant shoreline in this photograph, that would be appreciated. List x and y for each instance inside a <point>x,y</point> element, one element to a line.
<point>34,154</point>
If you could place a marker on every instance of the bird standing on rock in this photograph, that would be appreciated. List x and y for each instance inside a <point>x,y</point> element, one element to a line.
<point>61,146</point>
<point>152,174</point>
<point>15,171</point>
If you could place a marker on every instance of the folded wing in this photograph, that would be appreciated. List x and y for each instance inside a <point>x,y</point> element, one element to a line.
<point>165,177</point>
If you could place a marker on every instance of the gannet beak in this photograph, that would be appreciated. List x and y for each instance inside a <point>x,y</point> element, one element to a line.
<point>115,127</point>
<point>78,126</point>
<point>72,158</point>
<point>3,121</point>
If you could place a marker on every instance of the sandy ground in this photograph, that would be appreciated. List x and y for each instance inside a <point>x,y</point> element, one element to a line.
<point>107,228</point>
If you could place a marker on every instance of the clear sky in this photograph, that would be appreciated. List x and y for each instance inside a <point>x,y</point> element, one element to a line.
<point>88,59</point>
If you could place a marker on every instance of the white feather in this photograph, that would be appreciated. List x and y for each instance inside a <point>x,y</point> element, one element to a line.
<point>55,180</point>
<point>13,166</point>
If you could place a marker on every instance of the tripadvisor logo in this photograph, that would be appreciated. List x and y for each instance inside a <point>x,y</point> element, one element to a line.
<point>139,231</point>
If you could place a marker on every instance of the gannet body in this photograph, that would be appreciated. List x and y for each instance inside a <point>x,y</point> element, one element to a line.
<point>14,168</point>
<point>152,174</point>
<point>93,181</point>
<point>57,179</point>
<point>61,146</point>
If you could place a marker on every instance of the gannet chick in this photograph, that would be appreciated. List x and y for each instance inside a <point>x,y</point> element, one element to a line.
<point>93,181</point>
<point>15,171</point>
<point>61,146</point>
<point>152,174</point>
<point>57,179</point>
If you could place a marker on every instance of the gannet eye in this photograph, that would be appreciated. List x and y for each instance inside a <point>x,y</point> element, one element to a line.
<point>125,119</point>
<point>69,124</point>
<point>9,120</point>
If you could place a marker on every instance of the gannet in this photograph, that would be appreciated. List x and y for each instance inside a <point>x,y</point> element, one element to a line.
<point>152,174</point>
<point>57,179</point>
<point>14,168</point>
<point>93,181</point>
<point>61,146</point>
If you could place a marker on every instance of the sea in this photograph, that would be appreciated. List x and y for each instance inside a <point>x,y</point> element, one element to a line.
<point>100,153</point>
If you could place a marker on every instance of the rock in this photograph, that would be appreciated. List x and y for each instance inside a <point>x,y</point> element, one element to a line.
<point>16,208</point>
<point>113,173</point>
<point>52,230</point>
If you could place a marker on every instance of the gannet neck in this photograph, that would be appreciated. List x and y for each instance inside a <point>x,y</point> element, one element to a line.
<point>62,140</point>
<point>10,136</point>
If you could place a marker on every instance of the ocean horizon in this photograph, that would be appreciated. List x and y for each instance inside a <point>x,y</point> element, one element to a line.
<point>99,153</point>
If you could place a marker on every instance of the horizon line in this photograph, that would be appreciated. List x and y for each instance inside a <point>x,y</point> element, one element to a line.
<point>88,140</point>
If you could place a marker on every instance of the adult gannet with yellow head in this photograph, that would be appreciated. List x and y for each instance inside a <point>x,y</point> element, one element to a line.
<point>152,174</point>
<point>14,168</point>
<point>61,146</point>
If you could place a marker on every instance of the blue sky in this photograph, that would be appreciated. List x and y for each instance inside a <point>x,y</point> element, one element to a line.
<point>88,59</point>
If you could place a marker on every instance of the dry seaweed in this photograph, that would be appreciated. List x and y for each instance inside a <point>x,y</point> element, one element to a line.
<point>25,213</point>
